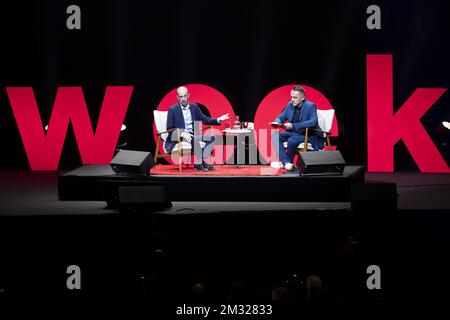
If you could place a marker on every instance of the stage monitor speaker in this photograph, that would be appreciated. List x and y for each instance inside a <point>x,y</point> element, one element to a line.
<point>129,162</point>
<point>145,197</point>
<point>320,163</point>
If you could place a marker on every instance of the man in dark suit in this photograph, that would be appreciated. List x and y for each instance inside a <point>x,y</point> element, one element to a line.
<point>298,115</point>
<point>186,117</point>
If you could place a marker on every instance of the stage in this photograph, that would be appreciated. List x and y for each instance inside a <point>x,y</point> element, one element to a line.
<point>26,193</point>
<point>100,182</point>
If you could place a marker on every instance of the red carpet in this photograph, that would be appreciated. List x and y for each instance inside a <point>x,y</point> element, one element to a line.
<point>220,170</point>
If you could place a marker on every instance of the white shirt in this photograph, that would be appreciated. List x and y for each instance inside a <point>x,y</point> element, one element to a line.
<point>187,117</point>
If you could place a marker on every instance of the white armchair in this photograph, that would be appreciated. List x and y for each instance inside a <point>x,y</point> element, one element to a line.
<point>162,132</point>
<point>325,120</point>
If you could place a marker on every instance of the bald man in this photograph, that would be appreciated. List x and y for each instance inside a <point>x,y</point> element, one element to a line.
<point>184,116</point>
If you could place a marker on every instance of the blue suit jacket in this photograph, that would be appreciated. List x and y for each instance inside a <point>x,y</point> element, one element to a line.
<point>308,116</point>
<point>175,119</point>
<point>308,119</point>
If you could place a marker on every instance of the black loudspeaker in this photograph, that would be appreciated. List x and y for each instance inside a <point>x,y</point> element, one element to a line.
<point>320,163</point>
<point>130,162</point>
<point>146,197</point>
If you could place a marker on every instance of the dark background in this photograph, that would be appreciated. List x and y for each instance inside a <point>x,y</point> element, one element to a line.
<point>245,50</point>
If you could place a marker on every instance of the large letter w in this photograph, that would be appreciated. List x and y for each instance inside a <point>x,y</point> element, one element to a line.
<point>44,150</point>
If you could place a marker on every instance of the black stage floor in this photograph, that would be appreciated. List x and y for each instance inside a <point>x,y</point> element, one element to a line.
<point>100,182</point>
<point>36,193</point>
